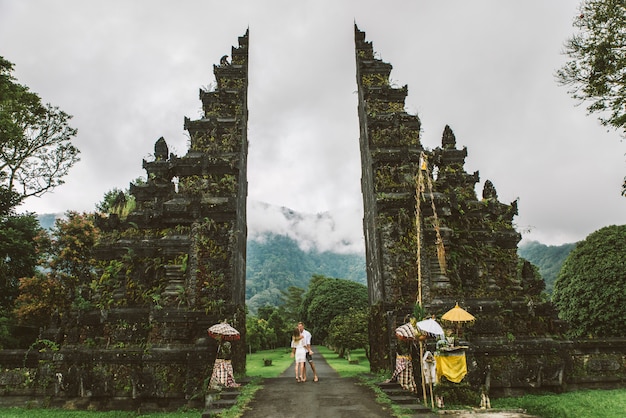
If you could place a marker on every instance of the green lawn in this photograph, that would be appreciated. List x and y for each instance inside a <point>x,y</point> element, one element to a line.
<point>280,358</point>
<point>579,404</point>
<point>359,365</point>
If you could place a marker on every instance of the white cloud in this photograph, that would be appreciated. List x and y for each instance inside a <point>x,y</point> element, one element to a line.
<point>129,72</point>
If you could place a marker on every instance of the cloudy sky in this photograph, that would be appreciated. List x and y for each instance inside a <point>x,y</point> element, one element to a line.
<point>130,71</point>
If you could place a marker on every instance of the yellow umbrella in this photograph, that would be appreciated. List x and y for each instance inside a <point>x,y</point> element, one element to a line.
<point>458,314</point>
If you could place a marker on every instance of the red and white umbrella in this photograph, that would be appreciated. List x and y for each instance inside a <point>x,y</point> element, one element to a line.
<point>406,332</point>
<point>224,331</point>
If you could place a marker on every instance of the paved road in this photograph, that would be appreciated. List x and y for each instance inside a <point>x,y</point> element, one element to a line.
<point>331,397</point>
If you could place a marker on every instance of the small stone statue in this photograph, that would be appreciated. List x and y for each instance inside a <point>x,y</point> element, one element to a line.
<point>489,191</point>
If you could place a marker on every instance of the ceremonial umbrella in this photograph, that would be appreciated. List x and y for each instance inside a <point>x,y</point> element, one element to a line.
<point>406,332</point>
<point>431,327</point>
<point>224,331</point>
<point>458,315</point>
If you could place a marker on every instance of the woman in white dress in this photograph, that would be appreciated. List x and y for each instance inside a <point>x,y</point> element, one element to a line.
<point>298,350</point>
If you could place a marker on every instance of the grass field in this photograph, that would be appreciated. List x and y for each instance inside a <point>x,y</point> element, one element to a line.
<point>360,364</point>
<point>579,404</point>
<point>280,358</point>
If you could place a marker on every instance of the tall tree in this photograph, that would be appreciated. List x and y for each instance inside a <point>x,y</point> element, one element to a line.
<point>328,298</point>
<point>589,290</point>
<point>36,149</point>
<point>69,271</point>
<point>20,236</point>
<point>349,331</point>
<point>596,71</point>
<point>292,304</point>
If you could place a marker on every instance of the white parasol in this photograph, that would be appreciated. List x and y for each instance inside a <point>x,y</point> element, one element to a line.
<point>431,327</point>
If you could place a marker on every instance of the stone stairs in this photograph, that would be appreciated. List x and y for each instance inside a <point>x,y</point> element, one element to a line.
<point>218,401</point>
<point>406,400</point>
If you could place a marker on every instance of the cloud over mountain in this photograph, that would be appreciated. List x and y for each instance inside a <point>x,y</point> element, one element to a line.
<point>312,231</point>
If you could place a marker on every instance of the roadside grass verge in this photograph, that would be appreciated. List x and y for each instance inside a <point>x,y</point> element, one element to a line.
<point>280,359</point>
<point>578,404</point>
<point>360,365</point>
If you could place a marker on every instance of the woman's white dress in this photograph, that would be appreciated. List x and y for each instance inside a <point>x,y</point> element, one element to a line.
<point>300,351</point>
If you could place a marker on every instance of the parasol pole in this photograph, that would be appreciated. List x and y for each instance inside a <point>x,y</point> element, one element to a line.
<point>432,401</point>
<point>419,191</point>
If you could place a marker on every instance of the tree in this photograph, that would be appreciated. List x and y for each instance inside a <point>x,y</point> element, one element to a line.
<point>598,60</point>
<point>589,290</point>
<point>292,304</point>
<point>597,70</point>
<point>19,239</point>
<point>36,151</point>
<point>328,298</point>
<point>68,272</point>
<point>349,331</point>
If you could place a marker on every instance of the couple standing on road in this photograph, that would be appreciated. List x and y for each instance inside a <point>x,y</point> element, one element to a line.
<point>301,350</point>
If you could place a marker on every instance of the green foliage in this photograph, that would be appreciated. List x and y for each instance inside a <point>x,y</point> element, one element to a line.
<point>67,272</point>
<point>358,366</point>
<point>589,291</point>
<point>595,72</point>
<point>36,150</point>
<point>280,357</point>
<point>19,238</point>
<point>292,304</point>
<point>259,334</point>
<point>579,404</point>
<point>328,298</point>
<point>349,331</point>
<point>118,201</point>
<point>457,393</point>
<point>276,263</point>
<point>548,258</point>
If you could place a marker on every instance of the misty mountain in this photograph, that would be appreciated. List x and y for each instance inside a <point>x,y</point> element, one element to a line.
<point>276,262</point>
<point>548,258</point>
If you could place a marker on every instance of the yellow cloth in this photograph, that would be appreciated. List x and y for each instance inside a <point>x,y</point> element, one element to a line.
<point>452,366</point>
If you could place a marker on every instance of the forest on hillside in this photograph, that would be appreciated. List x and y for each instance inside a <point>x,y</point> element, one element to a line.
<point>276,262</point>
<point>548,258</point>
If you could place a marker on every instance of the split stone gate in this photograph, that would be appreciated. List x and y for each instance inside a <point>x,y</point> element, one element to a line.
<point>176,264</point>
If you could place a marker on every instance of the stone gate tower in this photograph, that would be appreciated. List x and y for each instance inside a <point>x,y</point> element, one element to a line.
<point>171,267</point>
<point>467,247</point>
<point>390,155</point>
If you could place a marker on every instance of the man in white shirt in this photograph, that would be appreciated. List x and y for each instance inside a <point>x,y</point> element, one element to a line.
<point>309,354</point>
